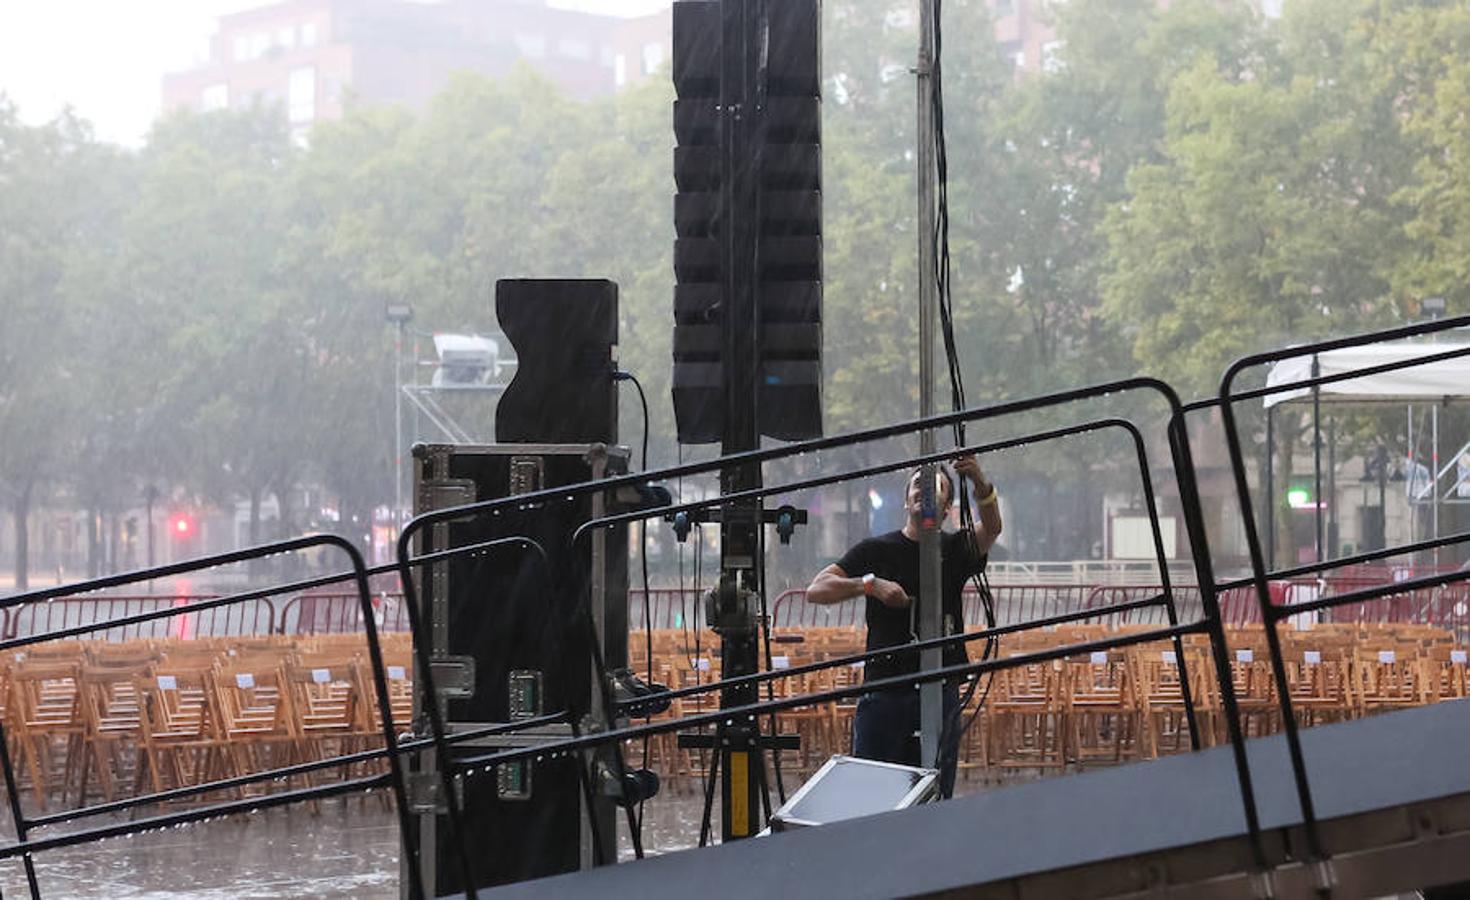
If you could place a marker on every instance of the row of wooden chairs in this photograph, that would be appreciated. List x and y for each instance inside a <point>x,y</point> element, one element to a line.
<point>1109,706</point>
<point>147,716</point>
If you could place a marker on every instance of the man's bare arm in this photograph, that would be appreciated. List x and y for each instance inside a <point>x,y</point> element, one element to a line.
<point>832,585</point>
<point>987,519</point>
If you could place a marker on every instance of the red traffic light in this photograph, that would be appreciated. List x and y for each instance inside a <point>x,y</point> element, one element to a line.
<point>181,525</point>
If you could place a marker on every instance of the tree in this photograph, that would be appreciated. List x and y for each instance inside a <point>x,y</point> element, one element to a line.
<point>49,177</point>
<point>1423,69</point>
<point>208,233</point>
<point>1258,226</point>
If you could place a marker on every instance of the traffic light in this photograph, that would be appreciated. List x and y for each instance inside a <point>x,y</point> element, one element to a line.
<point>748,210</point>
<point>183,530</point>
<point>181,525</point>
<point>1299,495</point>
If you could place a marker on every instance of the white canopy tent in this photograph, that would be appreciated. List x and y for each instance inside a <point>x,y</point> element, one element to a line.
<point>1441,380</point>
<point>1434,383</point>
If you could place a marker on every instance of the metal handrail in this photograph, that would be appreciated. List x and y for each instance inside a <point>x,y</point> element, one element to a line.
<point>1271,614</point>
<point>1183,467</point>
<point>25,847</point>
<point>1211,625</point>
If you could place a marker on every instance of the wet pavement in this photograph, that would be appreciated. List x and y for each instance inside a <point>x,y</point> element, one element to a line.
<point>347,848</point>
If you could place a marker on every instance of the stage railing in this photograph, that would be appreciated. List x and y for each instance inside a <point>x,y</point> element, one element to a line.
<point>1272,612</point>
<point>1178,443</point>
<point>1211,623</point>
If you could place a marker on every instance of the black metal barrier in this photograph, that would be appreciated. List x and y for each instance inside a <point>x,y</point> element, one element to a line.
<point>26,847</point>
<point>1211,625</point>
<point>1271,613</point>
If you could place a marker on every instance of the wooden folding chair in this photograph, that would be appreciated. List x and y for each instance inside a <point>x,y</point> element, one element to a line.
<point>252,719</point>
<point>324,708</point>
<point>46,721</point>
<point>1161,697</point>
<point>180,734</point>
<point>112,726</point>
<point>1102,708</point>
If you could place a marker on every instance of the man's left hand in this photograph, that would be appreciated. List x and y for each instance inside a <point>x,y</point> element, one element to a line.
<point>968,466</point>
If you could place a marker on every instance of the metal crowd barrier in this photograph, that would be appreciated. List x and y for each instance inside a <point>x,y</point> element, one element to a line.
<point>1211,592</point>
<point>27,846</point>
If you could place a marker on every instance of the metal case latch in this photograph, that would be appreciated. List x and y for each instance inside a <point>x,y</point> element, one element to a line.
<point>454,676</point>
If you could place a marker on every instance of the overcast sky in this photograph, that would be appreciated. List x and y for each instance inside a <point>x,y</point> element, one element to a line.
<point>106,58</point>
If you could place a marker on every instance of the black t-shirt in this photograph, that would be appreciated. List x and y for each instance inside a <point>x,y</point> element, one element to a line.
<point>896,558</point>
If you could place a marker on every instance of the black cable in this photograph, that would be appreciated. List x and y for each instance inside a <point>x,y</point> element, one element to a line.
<point>709,792</point>
<point>945,291</point>
<point>705,774</point>
<point>770,689</point>
<point>647,596</point>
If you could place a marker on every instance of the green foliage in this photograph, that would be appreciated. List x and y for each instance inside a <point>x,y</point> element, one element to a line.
<point>1179,187</point>
<point>1268,217</point>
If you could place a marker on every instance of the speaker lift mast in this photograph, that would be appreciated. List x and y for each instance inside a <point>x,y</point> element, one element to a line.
<point>747,341</point>
<point>733,607</point>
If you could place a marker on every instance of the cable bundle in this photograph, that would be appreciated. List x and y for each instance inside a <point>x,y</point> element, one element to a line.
<point>944,286</point>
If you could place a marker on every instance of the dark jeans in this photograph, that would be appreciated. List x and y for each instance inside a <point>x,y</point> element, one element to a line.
<point>886,728</point>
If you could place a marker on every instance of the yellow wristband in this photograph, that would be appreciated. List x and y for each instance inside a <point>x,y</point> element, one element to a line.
<point>989,498</point>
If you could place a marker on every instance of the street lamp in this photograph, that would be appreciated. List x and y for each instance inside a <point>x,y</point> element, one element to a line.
<point>399,314</point>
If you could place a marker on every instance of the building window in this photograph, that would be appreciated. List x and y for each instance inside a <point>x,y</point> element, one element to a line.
<point>301,94</point>
<point>242,48</point>
<point>216,96</point>
<point>571,48</point>
<point>1018,59</point>
<point>286,37</point>
<point>260,45</point>
<point>605,55</point>
<point>653,57</point>
<point>308,34</point>
<point>620,70</point>
<point>532,46</point>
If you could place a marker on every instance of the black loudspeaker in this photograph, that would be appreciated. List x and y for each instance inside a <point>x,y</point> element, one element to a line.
<point>563,331</point>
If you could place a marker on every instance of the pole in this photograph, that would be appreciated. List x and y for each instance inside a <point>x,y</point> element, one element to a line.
<point>1434,480</point>
<point>1382,498</point>
<point>734,613</point>
<point>1409,481</point>
<point>1317,453</point>
<point>928,614</point>
<point>398,430</point>
<point>1334,542</point>
<point>150,494</point>
<point>1269,514</point>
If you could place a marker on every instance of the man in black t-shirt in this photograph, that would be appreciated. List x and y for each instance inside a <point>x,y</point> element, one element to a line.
<point>885,570</point>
